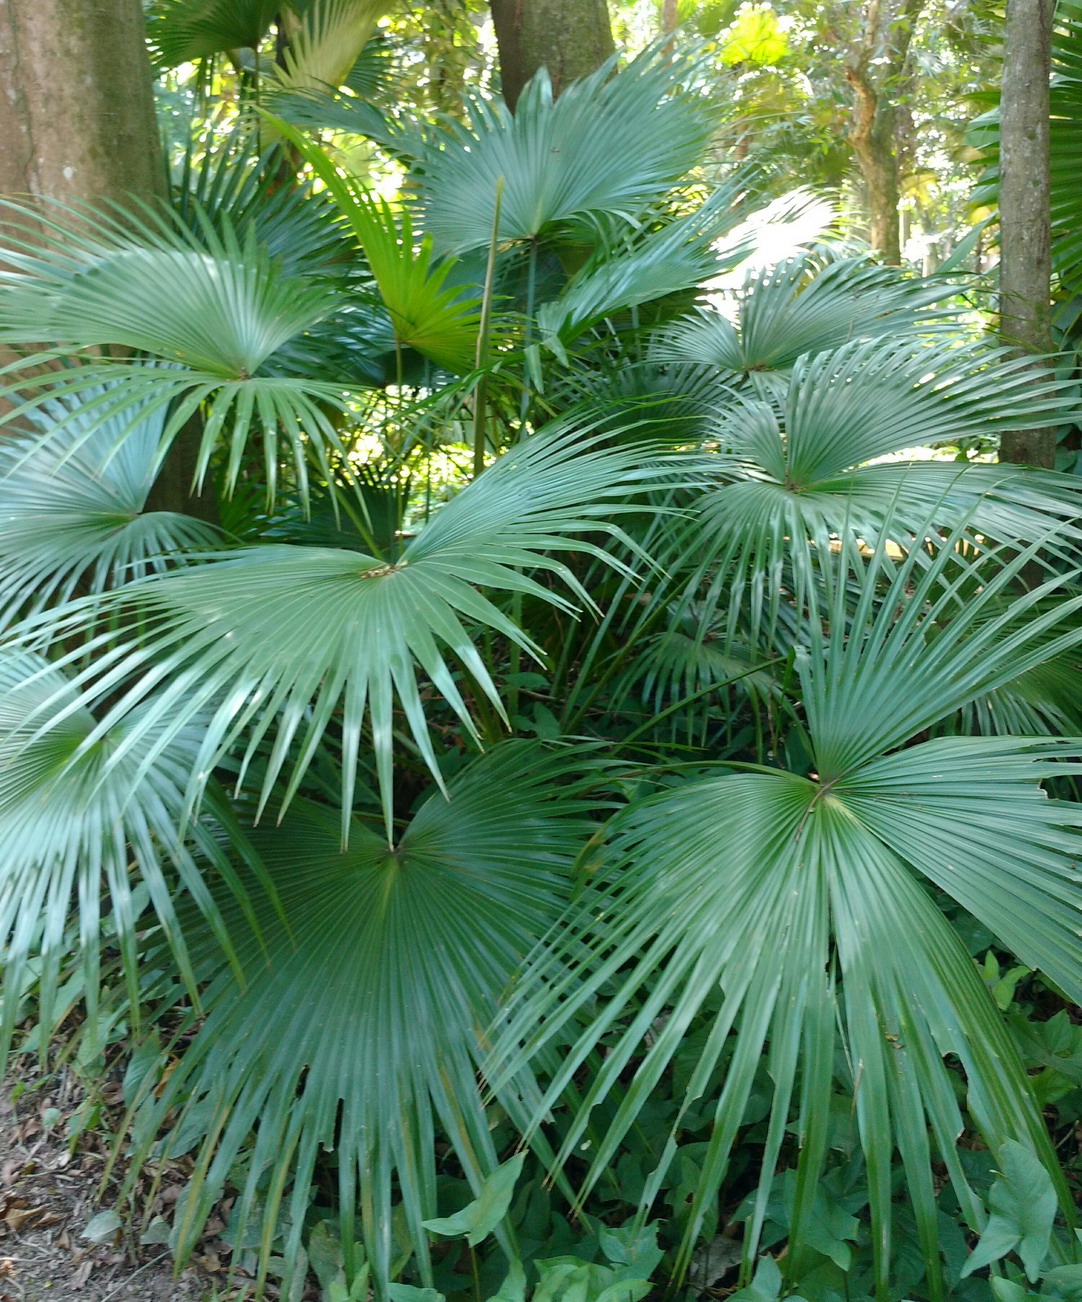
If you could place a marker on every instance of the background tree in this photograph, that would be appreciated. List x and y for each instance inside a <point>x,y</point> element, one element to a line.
<point>1025,235</point>
<point>568,37</point>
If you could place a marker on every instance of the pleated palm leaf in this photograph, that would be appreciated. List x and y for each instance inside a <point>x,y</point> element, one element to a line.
<point>72,508</point>
<point>76,820</point>
<point>185,31</point>
<point>801,307</point>
<point>426,313</point>
<point>209,316</point>
<point>810,473</point>
<point>608,147</point>
<point>326,41</point>
<point>289,642</point>
<point>358,1028</point>
<point>804,896</point>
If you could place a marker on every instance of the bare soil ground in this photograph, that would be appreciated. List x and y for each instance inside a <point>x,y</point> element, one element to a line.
<point>48,1196</point>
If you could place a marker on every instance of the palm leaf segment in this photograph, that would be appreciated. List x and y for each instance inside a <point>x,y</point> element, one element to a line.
<point>209,311</point>
<point>358,1027</point>
<point>74,818</point>
<point>426,314</point>
<point>801,897</point>
<point>299,640</point>
<point>72,507</point>
<point>801,475</point>
<point>608,146</point>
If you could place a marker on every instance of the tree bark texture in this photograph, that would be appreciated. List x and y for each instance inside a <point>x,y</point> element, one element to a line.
<point>1025,265</point>
<point>78,124</point>
<point>77,112</point>
<point>876,71</point>
<point>571,38</point>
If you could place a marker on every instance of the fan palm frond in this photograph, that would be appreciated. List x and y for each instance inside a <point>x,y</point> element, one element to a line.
<point>358,1026</point>
<point>800,307</point>
<point>185,31</point>
<point>72,512</point>
<point>295,639</point>
<point>801,896</point>
<point>327,41</point>
<point>75,819</point>
<point>609,145</point>
<point>426,313</point>
<point>211,314</point>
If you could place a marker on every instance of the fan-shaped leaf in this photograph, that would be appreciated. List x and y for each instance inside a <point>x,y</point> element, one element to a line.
<point>358,1027</point>
<point>71,508</point>
<point>609,145</point>
<point>292,638</point>
<point>74,817</point>
<point>184,31</point>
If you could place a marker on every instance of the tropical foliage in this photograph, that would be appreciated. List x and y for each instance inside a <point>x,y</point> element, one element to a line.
<point>583,762</point>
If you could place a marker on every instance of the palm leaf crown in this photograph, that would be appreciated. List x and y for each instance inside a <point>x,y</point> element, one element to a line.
<point>666,748</point>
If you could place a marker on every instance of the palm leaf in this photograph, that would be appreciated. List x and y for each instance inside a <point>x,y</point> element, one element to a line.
<point>358,1027</point>
<point>611,144</point>
<point>72,513</point>
<point>75,819</point>
<point>327,42</point>
<point>747,880</point>
<point>678,257</point>
<point>211,313</point>
<point>185,31</point>
<point>426,314</point>
<point>295,639</point>
<point>800,307</point>
<point>798,478</point>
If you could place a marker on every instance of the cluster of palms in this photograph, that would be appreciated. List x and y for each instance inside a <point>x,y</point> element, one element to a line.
<point>414,790</point>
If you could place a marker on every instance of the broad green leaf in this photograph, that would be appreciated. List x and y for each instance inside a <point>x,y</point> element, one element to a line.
<point>478,1219</point>
<point>610,144</point>
<point>1023,1203</point>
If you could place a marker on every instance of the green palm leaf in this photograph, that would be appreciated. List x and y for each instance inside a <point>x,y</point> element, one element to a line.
<point>211,313</point>
<point>748,879</point>
<point>426,313</point>
<point>295,639</point>
<point>789,479</point>
<point>72,509</point>
<point>358,1027</point>
<point>800,307</point>
<point>609,145</point>
<point>184,31</point>
<point>327,42</point>
<point>677,257</point>
<point>75,818</point>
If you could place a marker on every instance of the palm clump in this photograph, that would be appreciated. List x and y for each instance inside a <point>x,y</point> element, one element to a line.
<point>590,731</point>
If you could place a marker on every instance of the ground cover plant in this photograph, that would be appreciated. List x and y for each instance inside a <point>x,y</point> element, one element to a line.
<point>588,811</point>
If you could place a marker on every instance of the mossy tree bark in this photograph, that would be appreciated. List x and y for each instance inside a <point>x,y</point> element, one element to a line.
<point>1025,266</point>
<point>571,38</point>
<point>77,124</point>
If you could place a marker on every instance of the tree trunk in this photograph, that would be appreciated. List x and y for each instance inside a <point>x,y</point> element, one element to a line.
<point>571,38</point>
<point>77,124</point>
<point>77,113</point>
<point>1025,266</point>
<point>872,138</point>
<point>876,70</point>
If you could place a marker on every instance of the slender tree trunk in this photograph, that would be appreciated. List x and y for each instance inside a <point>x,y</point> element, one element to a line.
<point>571,38</point>
<point>876,72</point>
<point>1025,267</point>
<point>77,124</point>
